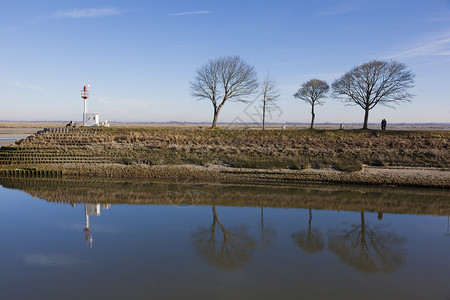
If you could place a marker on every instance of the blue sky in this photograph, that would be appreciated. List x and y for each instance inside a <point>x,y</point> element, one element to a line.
<point>141,55</point>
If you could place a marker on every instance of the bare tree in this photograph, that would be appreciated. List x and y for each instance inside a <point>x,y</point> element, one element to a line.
<point>384,82</point>
<point>270,95</point>
<point>311,240</point>
<point>222,79</point>
<point>368,249</point>
<point>312,91</point>
<point>226,248</point>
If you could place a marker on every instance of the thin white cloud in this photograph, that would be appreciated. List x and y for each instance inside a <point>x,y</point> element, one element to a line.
<point>186,13</point>
<point>344,7</point>
<point>341,10</point>
<point>289,50</point>
<point>189,46</point>
<point>11,28</point>
<point>440,17</point>
<point>28,86</point>
<point>433,46</point>
<point>88,13</point>
<point>187,32</point>
<point>50,260</point>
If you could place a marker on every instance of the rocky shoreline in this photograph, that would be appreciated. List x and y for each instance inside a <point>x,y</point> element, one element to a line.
<point>377,176</point>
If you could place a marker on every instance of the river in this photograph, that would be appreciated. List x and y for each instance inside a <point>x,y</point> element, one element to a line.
<point>94,239</point>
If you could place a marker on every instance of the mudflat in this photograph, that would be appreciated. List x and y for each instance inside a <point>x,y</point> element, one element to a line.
<point>10,135</point>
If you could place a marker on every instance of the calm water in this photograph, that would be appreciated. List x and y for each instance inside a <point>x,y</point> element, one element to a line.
<point>102,240</point>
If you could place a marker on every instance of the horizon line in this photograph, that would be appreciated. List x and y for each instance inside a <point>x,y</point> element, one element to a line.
<point>240,123</point>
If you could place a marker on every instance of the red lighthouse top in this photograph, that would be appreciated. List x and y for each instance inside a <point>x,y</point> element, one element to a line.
<point>84,93</point>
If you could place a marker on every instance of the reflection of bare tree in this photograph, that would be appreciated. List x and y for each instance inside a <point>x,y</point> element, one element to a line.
<point>268,234</point>
<point>310,240</point>
<point>447,234</point>
<point>229,250</point>
<point>182,194</point>
<point>368,250</point>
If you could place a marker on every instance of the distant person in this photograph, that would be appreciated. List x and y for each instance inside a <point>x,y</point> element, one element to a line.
<point>383,124</point>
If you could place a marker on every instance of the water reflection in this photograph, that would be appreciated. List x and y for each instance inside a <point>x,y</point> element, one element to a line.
<point>348,198</point>
<point>380,216</point>
<point>368,249</point>
<point>365,247</point>
<point>310,240</point>
<point>268,234</point>
<point>223,247</point>
<point>91,210</point>
<point>198,241</point>
<point>447,234</point>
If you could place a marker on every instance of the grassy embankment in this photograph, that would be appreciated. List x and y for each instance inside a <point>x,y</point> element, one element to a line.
<point>282,154</point>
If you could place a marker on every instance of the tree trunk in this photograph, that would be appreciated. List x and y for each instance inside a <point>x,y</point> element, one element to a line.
<point>216,115</point>
<point>366,118</point>
<point>363,229</point>
<point>313,115</point>
<point>309,222</point>
<point>215,216</point>
<point>264,116</point>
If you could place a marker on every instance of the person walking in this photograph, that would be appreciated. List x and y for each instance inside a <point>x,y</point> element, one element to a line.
<point>383,124</point>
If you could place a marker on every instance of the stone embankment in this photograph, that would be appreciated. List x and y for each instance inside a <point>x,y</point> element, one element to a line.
<point>53,146</point>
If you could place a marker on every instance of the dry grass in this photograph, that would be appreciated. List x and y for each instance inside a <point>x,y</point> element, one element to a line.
<point>280,148</point>
<point>271,155</point>
<point>345,150</point>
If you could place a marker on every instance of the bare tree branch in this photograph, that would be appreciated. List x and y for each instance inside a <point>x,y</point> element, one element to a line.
<point>384,82</point>
<point>312,92</point>
<point>222,79</point>
<point>269,95</point>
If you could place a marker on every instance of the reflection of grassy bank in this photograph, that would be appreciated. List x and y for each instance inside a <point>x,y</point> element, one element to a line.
<point>389,200</point>
<point>222,154</point>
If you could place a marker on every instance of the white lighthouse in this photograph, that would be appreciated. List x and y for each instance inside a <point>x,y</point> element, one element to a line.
<point>89,119</point>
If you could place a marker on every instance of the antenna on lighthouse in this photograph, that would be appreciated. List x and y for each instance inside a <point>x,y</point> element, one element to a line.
<point>85,95</point>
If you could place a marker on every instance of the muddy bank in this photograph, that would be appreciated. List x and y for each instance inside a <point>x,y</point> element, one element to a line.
<point>377,176</point>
